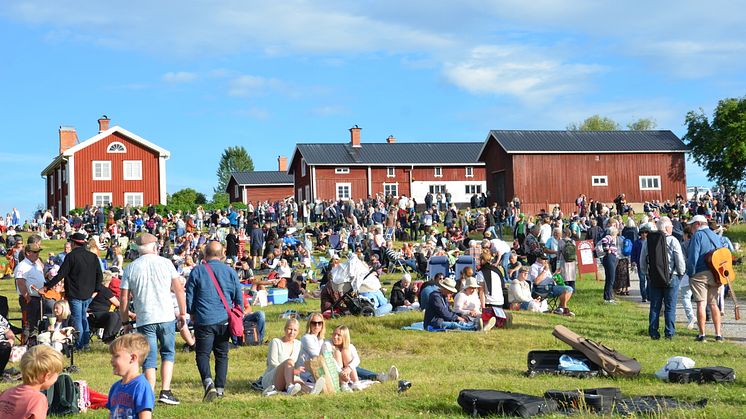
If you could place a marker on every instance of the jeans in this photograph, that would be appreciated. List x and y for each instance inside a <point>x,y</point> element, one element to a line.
<point>364,374</point>
<point>459,325</point>
<point>643,284</point>
<point>212,338</point>
<point>258,318</point>
<point>79,320</point>
<point>384,309</point>
<point>609,261</point>
<point>161,338</point>
<point>686,301</point>
<point>491,229</point>
<point>664,298</point>
<point>500,230</point>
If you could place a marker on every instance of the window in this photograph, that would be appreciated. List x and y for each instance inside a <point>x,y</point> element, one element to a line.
<point>132,170</point>
<point>236,192</point>
<point>437,188</point>
<point>302,167</point>
<point>650,183</point>
<point>101,170</point>
<point>472,189</point>
<point>103,199</point>
<point>344,191</point>
<point>469,171</point>
<point>390,189</point>
<point>116,147</point>
<point>438,171</point>
<point>390,171</point>
<point>599,181</point>
<point>51,185</point>
<point>133,199</point>
<point>342,170</point>
<point>59,178</point>
<point>307,190</point>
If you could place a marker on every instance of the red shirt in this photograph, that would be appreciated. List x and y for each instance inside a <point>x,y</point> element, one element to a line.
<point>23,402</point>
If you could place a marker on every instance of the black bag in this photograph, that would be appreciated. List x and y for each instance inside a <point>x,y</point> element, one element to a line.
<point>597,400</point>
<point>62,397</point>
<point>359,306</point>
<point>702,375</point>
<point>547,362</point>
<point>569,251</point>
<point>493,402</point>
<point>658,274</point>
<point>250,333</point>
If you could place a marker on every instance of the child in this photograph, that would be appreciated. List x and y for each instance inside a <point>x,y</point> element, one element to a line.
<point>132,395</point>
<point>40,367</point>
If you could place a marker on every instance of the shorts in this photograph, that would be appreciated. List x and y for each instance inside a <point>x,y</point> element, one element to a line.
<point>256,251</point>
<point>552,290</point>
<point>162,338</point>
<point>704,287</point>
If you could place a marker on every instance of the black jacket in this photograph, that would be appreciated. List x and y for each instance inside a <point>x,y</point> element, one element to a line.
<point>81,271</point>
<point>399,294</point>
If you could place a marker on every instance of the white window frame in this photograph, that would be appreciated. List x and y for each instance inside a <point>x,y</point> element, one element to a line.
<point>473,188</point>
<point>341,170</point>
<point>435,188</point>
<point>133,164</point>
<point>343,185</point>
<point>649,180</point>
<point>110,148</point>
<point>102,195</point>
<point>438,171</point>
<point>133,195</point>
<point>602,181</point>
<point>391,171</point>
<point>51,186</point>
<point>390,185</point>
<point>105,169</point>
<point>469,171</point>
<point>307,190</point>
<point>303,167</point>
<point>236,191</point>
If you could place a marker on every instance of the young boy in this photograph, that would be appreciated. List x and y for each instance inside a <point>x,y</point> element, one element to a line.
<point>40,367</point>
<point>131,396</point>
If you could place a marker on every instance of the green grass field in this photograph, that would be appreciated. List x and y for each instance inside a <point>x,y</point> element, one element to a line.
<point>441,364</point>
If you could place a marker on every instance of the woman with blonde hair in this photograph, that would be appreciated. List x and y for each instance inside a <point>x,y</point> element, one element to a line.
<point>281,376</point>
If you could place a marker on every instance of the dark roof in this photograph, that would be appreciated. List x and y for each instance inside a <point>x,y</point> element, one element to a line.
<point>268,177</point>
<point>396,153</point>
<point>588,141</point>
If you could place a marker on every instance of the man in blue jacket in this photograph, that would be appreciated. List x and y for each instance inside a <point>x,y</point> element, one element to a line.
<point>210,317</point>
<point>439,316</point>
<point>705,288</point>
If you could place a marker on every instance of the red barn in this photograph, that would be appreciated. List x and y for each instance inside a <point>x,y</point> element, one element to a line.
<point>255,186</point>
<point>357,170</point>
<point>546,168</point>
<point>114,167</point>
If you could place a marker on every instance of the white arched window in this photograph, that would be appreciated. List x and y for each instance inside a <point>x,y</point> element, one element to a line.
<point>116,147</point>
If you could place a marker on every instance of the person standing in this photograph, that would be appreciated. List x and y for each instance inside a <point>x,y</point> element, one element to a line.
<point>29,276</point>
<point>705,289</point>
<point>609,261</point>
<point>663,292</point>
<point>82,273</point>
<point>205,302</point>
<point>636,249</point>
<point>148,282</point>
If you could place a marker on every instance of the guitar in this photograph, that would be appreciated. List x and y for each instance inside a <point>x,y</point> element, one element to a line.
<point>720,262</point>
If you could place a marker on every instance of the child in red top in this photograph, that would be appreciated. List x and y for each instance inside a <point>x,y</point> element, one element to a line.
<point>40,367</point>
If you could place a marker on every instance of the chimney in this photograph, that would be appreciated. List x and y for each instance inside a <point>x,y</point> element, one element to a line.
<point>103,124</point>
<point>68,138</point>
<point>355,136</point>
<point>391,139</point>
<point>282,163</point>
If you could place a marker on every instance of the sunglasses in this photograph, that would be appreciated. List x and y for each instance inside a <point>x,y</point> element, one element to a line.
<point>33,251</point>
<point>317,323</point>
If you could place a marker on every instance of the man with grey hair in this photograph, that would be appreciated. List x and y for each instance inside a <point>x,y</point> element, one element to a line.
<point>662,291</point>
<point>705,289</point>
<point>148,282</point>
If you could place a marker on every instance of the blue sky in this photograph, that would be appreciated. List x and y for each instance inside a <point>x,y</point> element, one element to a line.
<point>196,77</point>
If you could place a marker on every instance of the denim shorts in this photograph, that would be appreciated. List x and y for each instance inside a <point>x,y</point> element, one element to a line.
<point>163,334</point>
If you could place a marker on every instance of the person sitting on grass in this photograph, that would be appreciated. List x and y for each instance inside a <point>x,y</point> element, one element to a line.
<point>40,367</point>
<point>439,316</point>
<point>540,275</point>
<point>131,396</point>
<point>404,294</point>
<point>281,375</point>
<point>519,294</point>
<point>347,358</point>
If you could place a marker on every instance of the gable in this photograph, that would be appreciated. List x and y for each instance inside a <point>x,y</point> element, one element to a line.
<point>121,134</point>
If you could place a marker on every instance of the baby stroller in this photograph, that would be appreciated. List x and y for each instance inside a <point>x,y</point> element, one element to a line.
<point>350,278</point>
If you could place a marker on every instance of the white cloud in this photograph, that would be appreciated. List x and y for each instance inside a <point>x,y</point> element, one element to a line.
<point>255,112</point>
<point>179,77</point>
<point>329,110</point>
<point>249,85</point>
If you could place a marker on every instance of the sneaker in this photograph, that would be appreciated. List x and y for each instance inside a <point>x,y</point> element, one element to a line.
<point>490,324</point>
<point>357,386</point>
<point>220,392</point>
<point>210,393</point>
<point>318,387</point>
<point>257,385</point>
<point>269,391</point>
<point>481,324</point>
<point>691,324</point>
<point>393,373</point>
<point>345,388</point>
<point>719,339</point>
<point>167,397</point>
<point>293,389</point>
<point>610,301</point>
<point>566,312</point>
<point>559,310</point>
<point>700,338</point>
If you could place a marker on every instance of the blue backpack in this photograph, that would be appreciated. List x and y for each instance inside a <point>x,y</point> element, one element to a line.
<point>627,247</point>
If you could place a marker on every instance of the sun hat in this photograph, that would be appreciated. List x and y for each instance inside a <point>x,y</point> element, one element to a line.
<point>78,238</point>
<point>448,283</point>
<point>471,282</point>
<point>698,219</point>
<point>33,247</point>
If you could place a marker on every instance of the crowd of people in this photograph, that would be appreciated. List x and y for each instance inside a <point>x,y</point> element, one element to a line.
<point>182,266</point>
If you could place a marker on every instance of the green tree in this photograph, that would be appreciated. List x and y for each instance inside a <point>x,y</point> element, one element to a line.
<point>234,159</point>
<point>642,124</point>
<point>720,145</point>
<point>220,200</point>
<point>595,123</point>
<point>187,196</point>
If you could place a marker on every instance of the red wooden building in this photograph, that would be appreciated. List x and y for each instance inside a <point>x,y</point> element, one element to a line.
<point>355,170</point>
<point>547,168</point>
<point>255,186</point>
<point>113,167</point>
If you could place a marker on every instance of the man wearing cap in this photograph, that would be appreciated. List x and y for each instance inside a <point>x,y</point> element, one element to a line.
<point>705,289</point>
<point>540,275</point>
<point>81,271</point>
<point>29,275</point>
<point>439,315</point>
<point>148,282</point>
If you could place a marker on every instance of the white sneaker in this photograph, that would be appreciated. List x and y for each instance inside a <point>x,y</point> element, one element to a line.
<point>393,373</point>
<point>293,389</point>
<point>481,324</point>
<point>318,387</point>
<point>490,324</point>
<point>382,377</point>
<point>357,386</point>
<point>345,388</point>
<point>269,391</point>
<point>691,324</point>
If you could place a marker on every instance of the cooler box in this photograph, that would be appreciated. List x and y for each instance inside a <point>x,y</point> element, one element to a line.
<point>278,295</point>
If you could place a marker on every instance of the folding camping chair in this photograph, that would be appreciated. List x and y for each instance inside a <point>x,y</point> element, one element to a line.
<point>389,234</point>
<point>436,265</point>
<point>334,242</point>
<point>463,261</point>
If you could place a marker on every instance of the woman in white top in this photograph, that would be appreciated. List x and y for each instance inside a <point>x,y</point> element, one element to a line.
<point>281,376</point>
<point>346,356</point>
<point>310,343</point>
<point>467,303</point>
<point>519,292</point>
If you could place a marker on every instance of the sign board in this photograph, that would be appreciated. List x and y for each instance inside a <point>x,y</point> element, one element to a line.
<point>586,256</point>
<point>324,365</point>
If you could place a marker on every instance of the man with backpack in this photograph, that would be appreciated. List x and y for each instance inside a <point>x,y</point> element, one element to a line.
<point>662,260</point>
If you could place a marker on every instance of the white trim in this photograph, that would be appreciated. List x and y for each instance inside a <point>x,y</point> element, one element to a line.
<point>71,183</point>
<point>393,171</point>
<point>101,194</point>
<point>396,184</point>
<point>370,186</point>
<point>59,177</point>
<point>605,180</point>
<point>115,143</point>
<point>266,184</point>
<point>134,194</point>
<point>341,170</point>
<point>477,188</point>
<point>124,170</point>
<point>136,138</point>
<point>303,167</point>
<point>162,179</point>
<point>466,163</point>
<point>307,192</point>
<point>349,190</point>
<point>313,182</point>
<point>236,191</point>
<point>469,169</point>
<point>649,188</point>
<point>437,169</point>
<point>104,164</point>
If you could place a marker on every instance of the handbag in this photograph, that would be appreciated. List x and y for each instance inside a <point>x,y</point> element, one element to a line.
<point>235,314</point>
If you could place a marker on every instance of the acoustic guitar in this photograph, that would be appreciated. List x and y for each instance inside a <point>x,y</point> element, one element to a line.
<point>720,262</point>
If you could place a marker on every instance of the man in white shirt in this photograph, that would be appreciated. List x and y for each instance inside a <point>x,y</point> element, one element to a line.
<point>29,275</point>
<point>545,231</point>
<point>540,275</point>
